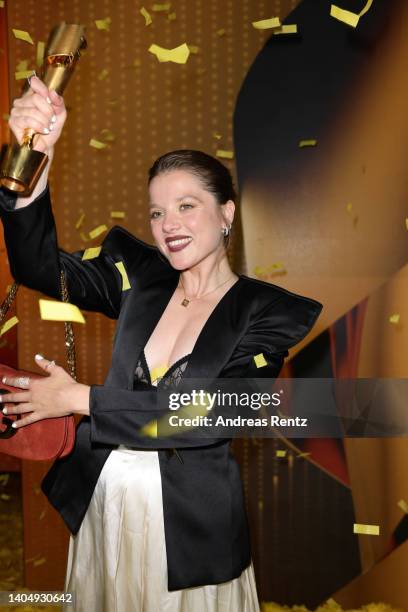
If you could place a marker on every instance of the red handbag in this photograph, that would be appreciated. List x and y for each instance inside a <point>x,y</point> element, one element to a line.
<point>46,439</point>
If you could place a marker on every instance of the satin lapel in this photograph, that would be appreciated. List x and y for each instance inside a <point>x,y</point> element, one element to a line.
<point>219,336</point>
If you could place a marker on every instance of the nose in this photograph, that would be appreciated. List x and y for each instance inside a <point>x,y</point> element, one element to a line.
<point>171,223</point>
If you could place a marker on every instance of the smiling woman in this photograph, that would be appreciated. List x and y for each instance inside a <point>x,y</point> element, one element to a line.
<point>157,522</point>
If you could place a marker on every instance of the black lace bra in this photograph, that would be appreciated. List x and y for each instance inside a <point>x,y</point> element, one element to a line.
<point>170,378</point>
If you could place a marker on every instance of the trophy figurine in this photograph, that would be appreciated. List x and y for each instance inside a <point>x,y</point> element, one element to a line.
<point>22,165</point>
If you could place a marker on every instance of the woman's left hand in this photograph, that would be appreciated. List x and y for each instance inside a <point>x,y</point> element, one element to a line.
<point>53,396</point>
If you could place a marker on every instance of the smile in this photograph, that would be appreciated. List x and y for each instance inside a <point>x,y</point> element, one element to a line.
<point>178,244</point>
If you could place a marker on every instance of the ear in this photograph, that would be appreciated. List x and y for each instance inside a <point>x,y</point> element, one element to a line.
<point>228,211</point>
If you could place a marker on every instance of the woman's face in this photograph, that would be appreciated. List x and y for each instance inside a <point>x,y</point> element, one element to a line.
<point>186,220</point>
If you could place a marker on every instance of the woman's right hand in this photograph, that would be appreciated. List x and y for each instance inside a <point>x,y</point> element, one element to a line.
<point>41,109</point>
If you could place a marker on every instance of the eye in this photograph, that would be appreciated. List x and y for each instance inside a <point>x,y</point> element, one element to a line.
<point>154,214</point>
<point>185,205</point>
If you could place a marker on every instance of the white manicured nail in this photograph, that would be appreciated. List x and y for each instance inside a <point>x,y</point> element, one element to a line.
<point>48,100</point>
<point>14,425</point>
<point>51,127</point>
<point>4,410</point>
<point>38,356</point>
<point>46,131</point>
<point>53,118</point>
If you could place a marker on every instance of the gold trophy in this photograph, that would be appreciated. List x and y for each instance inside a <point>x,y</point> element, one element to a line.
<point>22,166</point>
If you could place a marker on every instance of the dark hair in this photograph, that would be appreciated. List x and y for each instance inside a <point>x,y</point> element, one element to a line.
<point>214,176</point>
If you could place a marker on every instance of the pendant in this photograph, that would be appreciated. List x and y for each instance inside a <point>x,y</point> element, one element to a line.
<point>185,302</point>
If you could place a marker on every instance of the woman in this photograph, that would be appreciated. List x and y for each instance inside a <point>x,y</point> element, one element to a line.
<point>157,523</point>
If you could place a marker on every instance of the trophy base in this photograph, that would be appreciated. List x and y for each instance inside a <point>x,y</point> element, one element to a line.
<point>21,168</point>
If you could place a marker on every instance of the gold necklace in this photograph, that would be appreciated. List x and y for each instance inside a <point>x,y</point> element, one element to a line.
<point>187,301</point>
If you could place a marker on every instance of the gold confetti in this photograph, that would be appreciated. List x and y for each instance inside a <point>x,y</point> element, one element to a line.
<point>394,318</point>
<point>348,17</point>
<point>91,253</point>
<point>225,154</point>
<point>178,55</point>
<point>22,65</point>
<point>107,135</point>
<point>307,143</point>
<point>80,221</point>
<point>260,360</point>
<point>103,74</point>
<point>290,28</point>
<point>23,74</point>
<point>366,529</point>
<point>23,35</point>
<point>40,53</point>
<point>159,372</point>
<point>403,505</point>
<point>221,32</point>
<point>97,231</point>
<point>157,8</point>
<point>103,24</point>
<point>217,136</point>
<point>117,214</point>
<point>38,562</point>
<point>150,429</point>
<point>171,16</point>
<point>5,497</point>
<point>97,144</point>
<point>146,15</point>
<point>194,49</point>
<point>125,280</point>
<point>8,325</point>
<point>266,24</point>
<point>300,455</point>
<point>60,311</point>
<point>281,453</point>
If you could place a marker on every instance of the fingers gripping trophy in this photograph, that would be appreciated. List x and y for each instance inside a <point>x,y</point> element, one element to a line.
<point>24,162</point>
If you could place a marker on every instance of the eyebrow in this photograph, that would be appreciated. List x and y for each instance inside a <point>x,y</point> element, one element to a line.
<point>178,200</point>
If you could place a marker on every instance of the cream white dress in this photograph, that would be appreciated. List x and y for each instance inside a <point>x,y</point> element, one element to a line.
<point>117,560</point>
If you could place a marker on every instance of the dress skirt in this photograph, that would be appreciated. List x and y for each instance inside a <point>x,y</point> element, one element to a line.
<point>117,560</point>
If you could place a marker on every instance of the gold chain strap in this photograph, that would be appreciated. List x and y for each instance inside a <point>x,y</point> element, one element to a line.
<point>68,328</point>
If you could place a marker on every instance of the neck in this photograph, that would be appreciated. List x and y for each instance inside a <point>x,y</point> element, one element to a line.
<point>206,275</point>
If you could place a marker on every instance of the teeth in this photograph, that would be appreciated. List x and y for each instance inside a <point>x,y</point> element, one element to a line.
<point>181,241</point>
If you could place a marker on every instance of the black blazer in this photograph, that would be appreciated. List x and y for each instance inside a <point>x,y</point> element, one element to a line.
<point>206,527</point>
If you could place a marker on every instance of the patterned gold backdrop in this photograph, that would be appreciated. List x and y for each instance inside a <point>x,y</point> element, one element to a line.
<point>149,108</point>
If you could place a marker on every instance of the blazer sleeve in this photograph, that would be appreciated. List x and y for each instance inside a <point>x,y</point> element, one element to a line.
<point>118,415</point>
<point>36,260</point>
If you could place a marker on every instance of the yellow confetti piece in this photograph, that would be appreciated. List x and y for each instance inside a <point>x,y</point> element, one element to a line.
<point>171,16</point>
<point>403,505</point>
<point>260,360</point>
<point>97,231</point>
<point>281,453</point>
<point>80,221</point>
<point>178,55</point>
<point>103,24</point>
<point>394,318</point>
<point>348,17</point>
<point>146,15</point>
<point>225,154</point>
<point>117,214</point>
<point>266,24</point>
<point>91,253</point>
<point>290,28</point>
<point>103,74</point>
<point>307,143</point>
<point>300,455</point>
<point>366,529</point>
<point>125,280</point>
<point>194,49</point>
<point>41,561</point>
<point>22,65</point>
<point>107,135</point>
<point>60,311</point>
<point>40,53</point>
<point>221,32</point>
<point>150,429</point>
<point>5,497</point>
<point>159,372</point>
<point>157,8</point>
<point>23,74</point>
<point>97,144</point>
<point>23,35</point>
<point>8,325</point>
<point>217,136</point>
